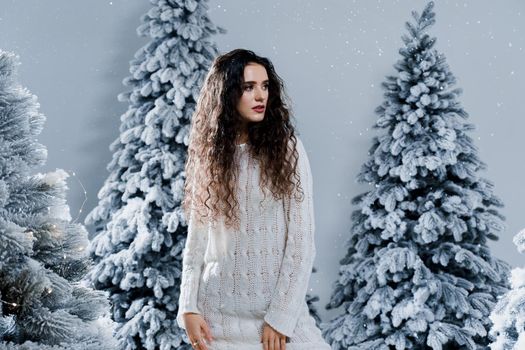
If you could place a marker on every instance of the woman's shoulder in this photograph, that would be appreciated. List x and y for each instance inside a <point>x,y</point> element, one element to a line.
<point>301,149</point>
<point>298,144</point>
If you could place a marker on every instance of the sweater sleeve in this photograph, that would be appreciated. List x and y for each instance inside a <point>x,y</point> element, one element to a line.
<point>192,266</point>
<point>289,296</point>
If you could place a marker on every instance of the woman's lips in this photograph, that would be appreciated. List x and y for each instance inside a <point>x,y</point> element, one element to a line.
<point>258,109</point>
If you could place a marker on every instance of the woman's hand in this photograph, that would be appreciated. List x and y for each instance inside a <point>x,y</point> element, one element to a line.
<point>197,329</point>
<point>272,339</point>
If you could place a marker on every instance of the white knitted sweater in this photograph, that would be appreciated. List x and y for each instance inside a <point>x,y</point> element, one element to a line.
<point>237,280</point>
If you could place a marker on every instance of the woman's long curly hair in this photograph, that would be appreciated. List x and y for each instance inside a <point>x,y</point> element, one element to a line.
<point>212,166</point>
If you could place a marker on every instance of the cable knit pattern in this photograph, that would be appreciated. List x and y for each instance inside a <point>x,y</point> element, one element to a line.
<point>237,280</point>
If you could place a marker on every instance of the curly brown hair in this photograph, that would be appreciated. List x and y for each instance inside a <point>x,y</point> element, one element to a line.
<point>212,166</point>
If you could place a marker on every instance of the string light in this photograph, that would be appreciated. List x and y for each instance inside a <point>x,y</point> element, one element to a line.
<point>85,196</point>
<point>48,290</point>
<point>71,172</point>
<point>8,303</point>
<point>83,202</point>
<point>55,233</point>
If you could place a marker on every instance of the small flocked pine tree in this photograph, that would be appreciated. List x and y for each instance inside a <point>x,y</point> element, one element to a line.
<point>42,252</point>
<point>508,316</point>
<point>140,223</point>
<point>418,272</point>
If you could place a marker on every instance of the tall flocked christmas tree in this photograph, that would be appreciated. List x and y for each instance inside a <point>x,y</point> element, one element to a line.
<point>42,252</point>
<point>418,271</point>
<point>508,316</point>
<point>140,223</point>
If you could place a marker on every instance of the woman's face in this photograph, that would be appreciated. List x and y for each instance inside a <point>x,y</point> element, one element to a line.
<point>252,104</point>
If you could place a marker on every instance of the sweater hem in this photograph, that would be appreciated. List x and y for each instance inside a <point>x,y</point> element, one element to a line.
<point>223,345</point>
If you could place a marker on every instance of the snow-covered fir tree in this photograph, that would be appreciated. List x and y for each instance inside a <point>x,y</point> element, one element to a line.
<point>418,273</point>
<point>43,254</point>
<point>141,229</point>
<point>508,316</point>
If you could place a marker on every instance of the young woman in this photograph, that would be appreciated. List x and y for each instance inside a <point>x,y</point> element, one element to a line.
<point>248,196</point>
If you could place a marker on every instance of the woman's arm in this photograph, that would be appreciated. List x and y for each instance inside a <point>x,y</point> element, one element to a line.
<point>290,295</point>
<point>192,265</point>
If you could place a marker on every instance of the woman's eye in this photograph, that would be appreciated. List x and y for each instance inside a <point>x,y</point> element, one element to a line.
<point>250,87</point>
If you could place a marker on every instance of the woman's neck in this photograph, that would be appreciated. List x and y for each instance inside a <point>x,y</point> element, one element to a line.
<point>242,138</point>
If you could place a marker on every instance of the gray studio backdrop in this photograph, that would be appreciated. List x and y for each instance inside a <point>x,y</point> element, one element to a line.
<point>333,56</point>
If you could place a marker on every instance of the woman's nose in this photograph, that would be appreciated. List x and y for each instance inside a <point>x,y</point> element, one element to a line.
<point>258,94</point>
